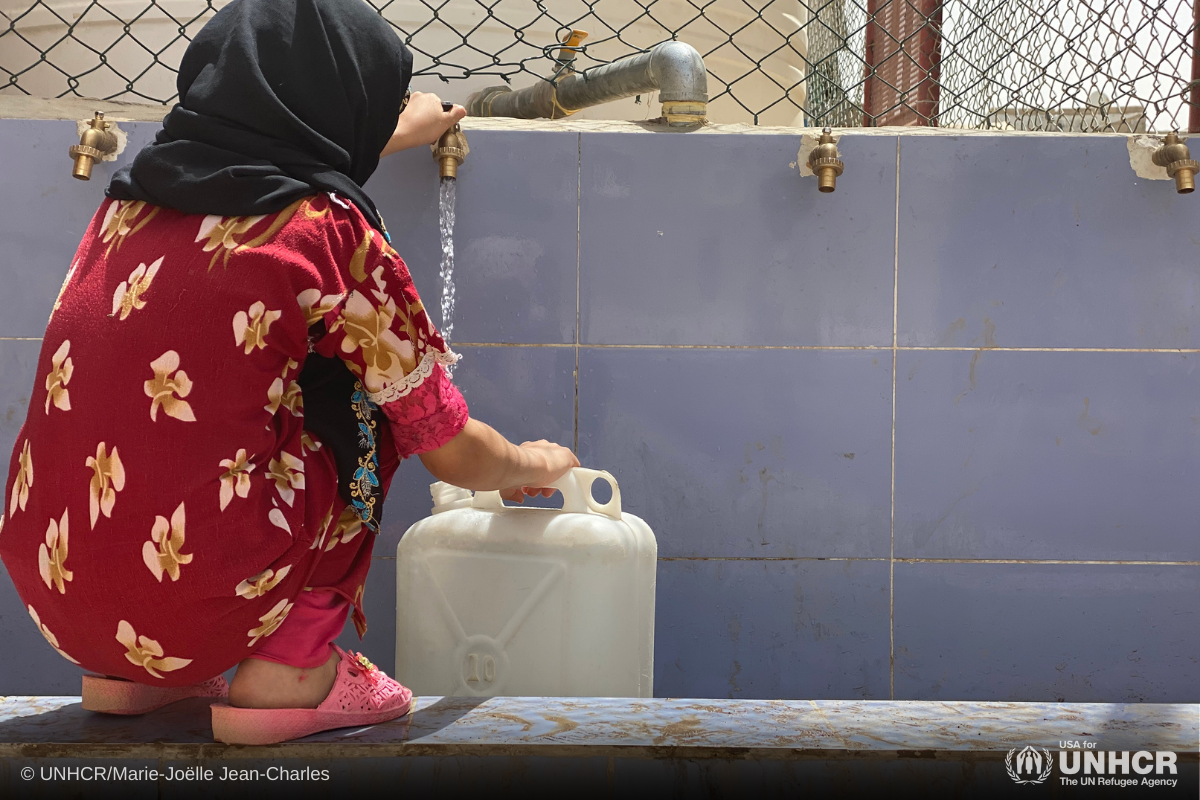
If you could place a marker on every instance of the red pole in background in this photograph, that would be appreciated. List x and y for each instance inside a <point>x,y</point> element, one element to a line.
<point>1194,111</point>
<point>903,55</point>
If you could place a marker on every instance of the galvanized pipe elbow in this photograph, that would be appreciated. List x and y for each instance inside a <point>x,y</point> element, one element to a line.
<point>674,69</point>
<point>678,71</point>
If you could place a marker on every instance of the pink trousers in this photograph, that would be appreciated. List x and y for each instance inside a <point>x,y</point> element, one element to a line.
<point>303,640</point>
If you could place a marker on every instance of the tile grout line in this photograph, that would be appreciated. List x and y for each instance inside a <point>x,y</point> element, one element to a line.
<point>1032,561</point>
<point>898,348</point>
<point>577,345</point>
<point>892,522</point>
<point>1085,562</point>
<point>578,226</point>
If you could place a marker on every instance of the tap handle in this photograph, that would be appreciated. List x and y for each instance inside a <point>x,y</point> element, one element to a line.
<point>569,45</point>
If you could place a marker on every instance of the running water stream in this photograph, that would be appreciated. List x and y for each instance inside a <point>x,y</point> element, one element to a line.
<point>446,272</point>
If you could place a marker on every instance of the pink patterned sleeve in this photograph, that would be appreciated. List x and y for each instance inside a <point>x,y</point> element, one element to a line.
<point>429,416</point>
<point>381,330</point>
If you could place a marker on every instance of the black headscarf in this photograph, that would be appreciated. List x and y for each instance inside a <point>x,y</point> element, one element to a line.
<point>279,100</point>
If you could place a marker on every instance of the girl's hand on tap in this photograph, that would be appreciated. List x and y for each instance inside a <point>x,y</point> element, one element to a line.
<point>422,122</point>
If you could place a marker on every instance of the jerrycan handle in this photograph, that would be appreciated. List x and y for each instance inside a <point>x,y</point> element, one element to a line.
<point>576,487</point>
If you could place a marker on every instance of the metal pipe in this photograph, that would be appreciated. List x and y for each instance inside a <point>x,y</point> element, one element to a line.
<point>674,69</point>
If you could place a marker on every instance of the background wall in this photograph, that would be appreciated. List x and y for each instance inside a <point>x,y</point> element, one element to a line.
<point>934,436</point>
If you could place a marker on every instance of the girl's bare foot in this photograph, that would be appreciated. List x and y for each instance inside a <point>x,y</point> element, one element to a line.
<point>267,684</point>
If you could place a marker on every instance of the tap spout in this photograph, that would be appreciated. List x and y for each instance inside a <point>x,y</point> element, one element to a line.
<point>95,143</point>
<point>674,69</point>
<point>826,162</point>
<point>1175,156</point>
<point>449,151</point>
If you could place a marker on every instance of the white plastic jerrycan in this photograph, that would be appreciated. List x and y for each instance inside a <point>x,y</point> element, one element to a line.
<point>499,600</point>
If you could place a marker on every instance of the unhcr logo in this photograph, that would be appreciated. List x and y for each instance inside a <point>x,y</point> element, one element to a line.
<point>1082,764</point>
<point>1029,765</point>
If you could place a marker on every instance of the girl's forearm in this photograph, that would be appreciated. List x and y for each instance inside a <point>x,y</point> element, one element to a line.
<point>480,459</point>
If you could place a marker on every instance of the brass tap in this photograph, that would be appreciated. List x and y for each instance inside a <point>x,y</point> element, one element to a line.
<point>826,162</point>
<point>95,143</point>
<point>450,151</point>
<point>1175,156</point>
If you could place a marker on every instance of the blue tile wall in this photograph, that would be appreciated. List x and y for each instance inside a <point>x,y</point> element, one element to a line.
<point>755,448</point>
<point>746,453</point>
<point>1042,632</point>
<point>515,237</point>
<point>1016,455</point>
<point>1043,242</point>
<point>718,240</point>
<point>18,386</point>
<point>772,629</point>
<point>46,214</point>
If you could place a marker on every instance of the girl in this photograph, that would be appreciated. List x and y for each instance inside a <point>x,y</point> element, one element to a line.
<point>235,366</point>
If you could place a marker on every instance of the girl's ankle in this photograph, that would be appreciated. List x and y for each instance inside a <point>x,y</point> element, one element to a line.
<point>267,684</point>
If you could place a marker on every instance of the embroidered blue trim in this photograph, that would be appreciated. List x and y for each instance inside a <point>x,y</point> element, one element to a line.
<point>363,489</point>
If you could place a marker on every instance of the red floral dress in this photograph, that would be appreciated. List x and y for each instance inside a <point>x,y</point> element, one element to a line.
<point>165,505</point>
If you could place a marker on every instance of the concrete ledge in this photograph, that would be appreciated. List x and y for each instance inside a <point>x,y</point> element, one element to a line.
<point>76,108</point>
<point>590,748</point>
<point>57,727</point>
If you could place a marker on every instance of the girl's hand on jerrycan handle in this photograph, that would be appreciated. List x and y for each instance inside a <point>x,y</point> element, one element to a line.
<point>555,460</point>
<point>480,459</point>
<point>422,122</point>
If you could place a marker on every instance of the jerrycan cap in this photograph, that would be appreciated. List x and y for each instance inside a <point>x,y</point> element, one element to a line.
<point>447,496</point>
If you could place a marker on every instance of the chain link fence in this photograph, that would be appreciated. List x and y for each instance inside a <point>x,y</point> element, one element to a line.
<point>1073,65</point>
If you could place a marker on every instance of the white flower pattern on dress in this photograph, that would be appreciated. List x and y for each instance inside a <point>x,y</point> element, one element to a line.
<point>236,478</point>
<point>108,478</point>
<point>162,388</point>
<point>61,370</point>
<point>50,637</point>
<point>288,473</point>
<point>270,622</point>
<point>251,328</point>
<point>148,653</point>
<point>52,556</point>
<point>128,296</point>
<point>291,399</point>
<point>279,520</point>
<point>261,583</point>
<point>169,538</point>
<point>314,306</point>
<point>23,482</point>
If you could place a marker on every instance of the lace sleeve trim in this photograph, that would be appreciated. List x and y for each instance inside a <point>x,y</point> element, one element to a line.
<point>405,386</point>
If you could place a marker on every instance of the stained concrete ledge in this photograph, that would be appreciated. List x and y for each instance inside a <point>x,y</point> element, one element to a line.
<point>605,747</point>
<point>59,727</point>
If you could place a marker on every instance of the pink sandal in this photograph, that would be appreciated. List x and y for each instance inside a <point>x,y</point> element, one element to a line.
<point>113,696</point>
<point>361,695</point>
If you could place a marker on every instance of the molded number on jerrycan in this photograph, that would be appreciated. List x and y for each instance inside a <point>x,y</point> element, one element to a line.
<point>499,600</point>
